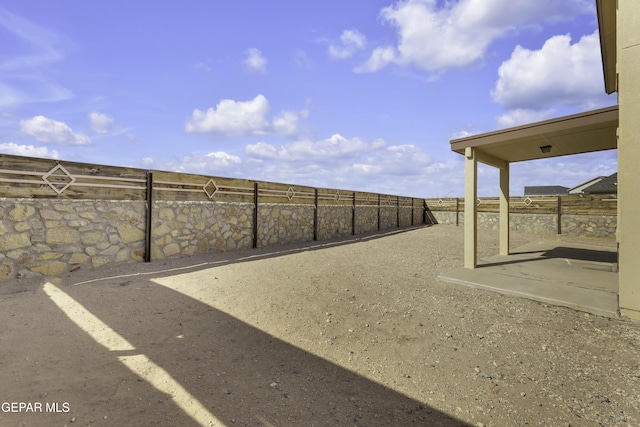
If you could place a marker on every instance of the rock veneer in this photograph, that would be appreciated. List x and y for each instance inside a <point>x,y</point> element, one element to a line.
<point>52,236</point>
<point>283,224</point>
<point>48,237</point>
<point>592,225</point>
<point>189,228</point>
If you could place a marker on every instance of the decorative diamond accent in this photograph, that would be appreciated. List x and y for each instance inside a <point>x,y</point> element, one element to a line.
<point>58,182</point>
<point>440,202</point>
<point>528,201</point>
<point>210,188</point>
<point>479,202</point>
<point>290,193</point>
<point>337,196</point>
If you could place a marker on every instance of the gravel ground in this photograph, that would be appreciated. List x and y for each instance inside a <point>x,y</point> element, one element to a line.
<point>343,333</point>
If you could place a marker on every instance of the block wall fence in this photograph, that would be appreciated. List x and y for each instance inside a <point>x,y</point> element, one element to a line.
<point>58,216</point>
<point>581,215</point>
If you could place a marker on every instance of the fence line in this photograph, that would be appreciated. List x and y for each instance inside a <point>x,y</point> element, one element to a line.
<point>590,204</point>
<point>64,208</point>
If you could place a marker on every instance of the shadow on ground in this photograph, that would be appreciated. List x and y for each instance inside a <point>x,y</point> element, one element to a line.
<point>240,374</point>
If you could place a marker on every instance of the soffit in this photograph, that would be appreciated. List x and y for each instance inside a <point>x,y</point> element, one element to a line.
<point>579,133</point>
<point>607,29</point>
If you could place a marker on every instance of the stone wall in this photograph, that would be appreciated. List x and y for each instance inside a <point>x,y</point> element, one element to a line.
<point>571,224</point>
<point>283,224</point>
<point>388,217</point>
<point>406,216</point>
<point>590,225</point>
<point>188,228</point>
<point>366,219</point>
<point>57,216</point>
<point>334,221</point>
<point>51,236</point>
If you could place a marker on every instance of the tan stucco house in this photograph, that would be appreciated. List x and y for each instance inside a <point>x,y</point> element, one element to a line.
<point>603,129</point>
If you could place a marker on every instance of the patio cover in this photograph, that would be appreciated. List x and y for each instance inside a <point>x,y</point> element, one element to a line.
<point>579,133</point>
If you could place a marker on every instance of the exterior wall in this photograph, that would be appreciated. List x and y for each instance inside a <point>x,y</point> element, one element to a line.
<point>49,236</point>
<point>283,224</point>
<point>366,219</point>
<point>334,221</point>
<point>571,224</point>
<point>188,228</point>
<point>388,217</point>
<point>406,215</point>
<point>628,64</point>
<point>90,215</point>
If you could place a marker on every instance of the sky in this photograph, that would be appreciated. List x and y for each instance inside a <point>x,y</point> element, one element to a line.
<point>360,95</point>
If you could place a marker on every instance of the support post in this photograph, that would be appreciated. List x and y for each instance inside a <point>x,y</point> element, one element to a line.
<point>470,208</point>
<point>398,211</point>
<point>457,212</point>
<point>559,215</point>
<point>378,212</point>
<point>315,216</point>
<point>504,210</point>
<point>412,211</point>
<point>353,215</point>
<point>255,214</point>
<point>147,240</point>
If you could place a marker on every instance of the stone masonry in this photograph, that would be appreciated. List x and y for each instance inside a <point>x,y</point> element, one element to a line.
<point>284,224</point>
<point>334,221</point>
<point>49,237</point>
<point>182,229</point>
<point>571,224</point>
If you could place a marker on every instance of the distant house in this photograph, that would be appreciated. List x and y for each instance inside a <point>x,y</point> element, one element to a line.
<point>599,185</point>
<point>546,190</point>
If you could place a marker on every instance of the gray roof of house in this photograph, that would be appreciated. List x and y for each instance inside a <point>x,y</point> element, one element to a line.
<point>545,190</point>
<point>608,185</point>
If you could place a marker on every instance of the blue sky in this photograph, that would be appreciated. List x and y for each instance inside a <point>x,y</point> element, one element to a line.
<point>349,94</point>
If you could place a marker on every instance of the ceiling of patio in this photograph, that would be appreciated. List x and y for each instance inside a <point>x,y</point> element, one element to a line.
<point>579,133</point>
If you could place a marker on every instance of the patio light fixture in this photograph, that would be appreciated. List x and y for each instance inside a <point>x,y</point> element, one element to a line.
<point>545,148</point>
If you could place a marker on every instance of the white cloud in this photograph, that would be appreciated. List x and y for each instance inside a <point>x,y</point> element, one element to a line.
<point>350,164</point>
<point>560,73</point>
<point>231,117</point>
<point>52,132</point>
<point>380,57</point>
<point>100,123</point>
<point>286,123</point>
<point>244,118</point>
<point>255,61</point>
<point>520,116</point>
<point>148,162</point>
<point>217,163</point>
<point>28,150</point>
<point>334,147</point>
<point>435,36</point>
<point>350,42</point>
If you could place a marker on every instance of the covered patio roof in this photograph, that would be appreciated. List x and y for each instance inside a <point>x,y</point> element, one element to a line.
<point>579,133</point>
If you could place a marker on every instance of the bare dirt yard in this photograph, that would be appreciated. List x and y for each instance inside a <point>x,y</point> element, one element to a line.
<point>358,332</point>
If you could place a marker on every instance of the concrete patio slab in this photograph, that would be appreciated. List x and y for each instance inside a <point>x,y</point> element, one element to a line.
<point>582,277</point>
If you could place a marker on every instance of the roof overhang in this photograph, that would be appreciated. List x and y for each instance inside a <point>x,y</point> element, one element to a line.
<point>587,132</point>
<point>607,28</point>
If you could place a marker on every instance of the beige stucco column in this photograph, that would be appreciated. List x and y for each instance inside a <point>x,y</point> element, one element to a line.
<point>628,56</point>
<point>504,210</point>
<point>470,208</point>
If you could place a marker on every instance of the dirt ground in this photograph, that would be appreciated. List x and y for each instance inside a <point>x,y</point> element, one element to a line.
<point>357,332</point>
